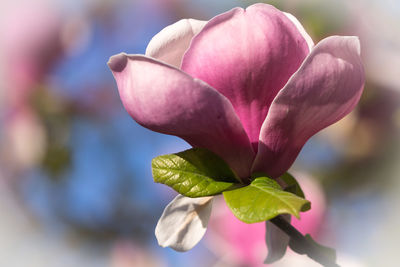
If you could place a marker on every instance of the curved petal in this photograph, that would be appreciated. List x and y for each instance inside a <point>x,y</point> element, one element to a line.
<point>183,222</point>
<point>170,43</point>
<point>167,100</point>
<point>326,87</point>
<point>248,56</point>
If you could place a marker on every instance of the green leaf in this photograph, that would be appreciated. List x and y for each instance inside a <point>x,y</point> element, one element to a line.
<point>196,172</point>
<point>328,253</point>
<point>262,200</point>
<point>293,186</point>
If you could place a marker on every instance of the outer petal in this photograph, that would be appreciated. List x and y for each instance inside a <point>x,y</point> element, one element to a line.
<point>277,241</point>
<point>170,44</point>
<point>183,222</point>
<point>326,87</point>
<point>248,56</point>
<point>167,100</point>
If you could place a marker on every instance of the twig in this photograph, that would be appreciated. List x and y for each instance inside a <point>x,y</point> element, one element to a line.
<point>300,241</point>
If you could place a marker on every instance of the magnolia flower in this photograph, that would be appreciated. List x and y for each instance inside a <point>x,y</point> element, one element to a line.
<point>248,85</point>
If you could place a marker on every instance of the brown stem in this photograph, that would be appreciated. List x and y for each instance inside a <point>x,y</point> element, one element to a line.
<point>303,245</point>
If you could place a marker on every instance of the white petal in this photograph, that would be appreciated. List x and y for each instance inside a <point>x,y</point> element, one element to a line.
<point>183,222</point>
<point>171,43</point>
<point>301,29</point>
<point>277,241</point>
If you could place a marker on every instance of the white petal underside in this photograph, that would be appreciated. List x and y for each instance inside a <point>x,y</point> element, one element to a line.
<point>183,222</point>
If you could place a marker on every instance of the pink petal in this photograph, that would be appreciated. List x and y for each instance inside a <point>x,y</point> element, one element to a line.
<point>301,29</point>
<point>326,87</point>
<point>248,56</point>
<point>170,44</point>
<point>167,100</point>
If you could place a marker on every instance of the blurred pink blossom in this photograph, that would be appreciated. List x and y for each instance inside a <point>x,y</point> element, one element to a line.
<point>24,140</point>
<point>240,244</point>
<point>29,43</point>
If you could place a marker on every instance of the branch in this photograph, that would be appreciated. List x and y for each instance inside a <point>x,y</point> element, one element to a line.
<point>302,244</point>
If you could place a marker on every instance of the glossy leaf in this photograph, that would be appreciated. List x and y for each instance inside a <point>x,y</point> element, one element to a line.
<point>262,200</point>
<point>195,172</point>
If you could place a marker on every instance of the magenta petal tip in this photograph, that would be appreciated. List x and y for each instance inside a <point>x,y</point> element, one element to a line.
<point>117,63</point>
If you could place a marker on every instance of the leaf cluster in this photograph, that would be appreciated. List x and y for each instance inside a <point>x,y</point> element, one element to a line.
<point>198,172</point>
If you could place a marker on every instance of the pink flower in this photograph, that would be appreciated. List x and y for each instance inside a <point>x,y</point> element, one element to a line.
<point>248,85</point>
<point>29,34</point>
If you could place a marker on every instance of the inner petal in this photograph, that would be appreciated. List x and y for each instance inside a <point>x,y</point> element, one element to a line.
<point>248,56</point>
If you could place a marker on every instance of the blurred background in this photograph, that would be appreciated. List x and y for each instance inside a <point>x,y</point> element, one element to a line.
<point>75,177</point>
